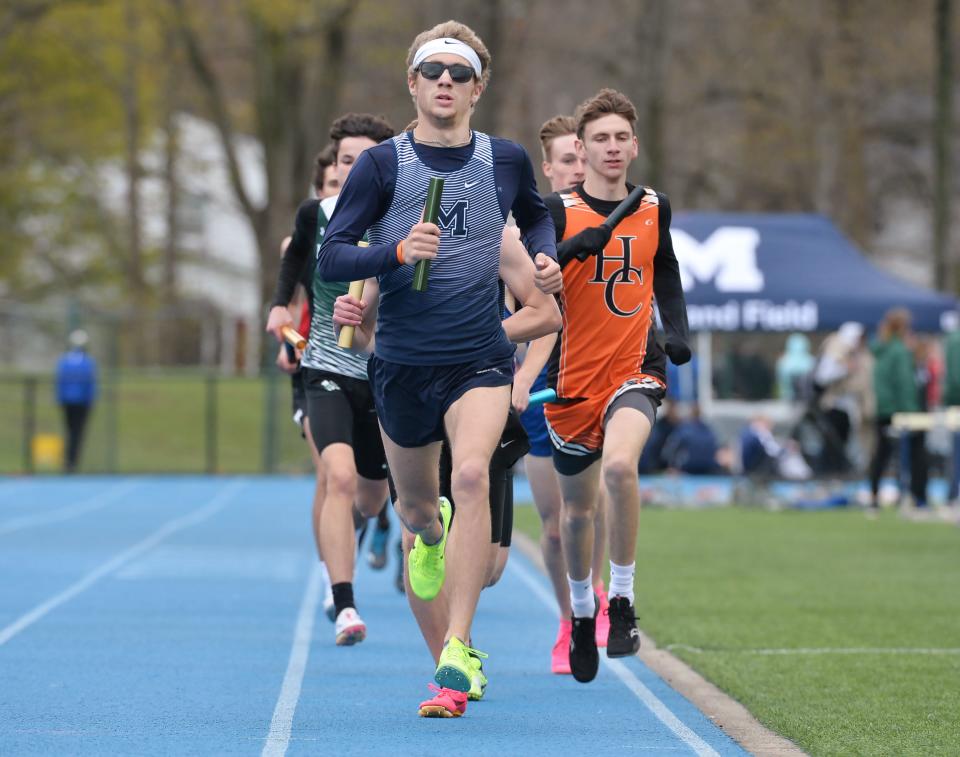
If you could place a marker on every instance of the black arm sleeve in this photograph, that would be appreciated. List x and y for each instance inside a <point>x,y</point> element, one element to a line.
<point>565,252</point>
<point>667,287</point>
<point>299,255</point>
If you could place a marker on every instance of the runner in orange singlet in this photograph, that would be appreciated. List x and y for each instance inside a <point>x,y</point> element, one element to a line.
<point>608,369</point>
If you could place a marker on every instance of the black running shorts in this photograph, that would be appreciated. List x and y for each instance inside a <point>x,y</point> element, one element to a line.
<point>341,410</point>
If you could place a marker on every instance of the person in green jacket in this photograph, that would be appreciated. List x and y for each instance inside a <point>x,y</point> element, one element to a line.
<point>951,359</point>
<point>895,387</point>
<point>951,394</point>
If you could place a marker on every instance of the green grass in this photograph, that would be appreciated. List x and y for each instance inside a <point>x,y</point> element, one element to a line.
<point>731,581</point>
<point>161,425</point>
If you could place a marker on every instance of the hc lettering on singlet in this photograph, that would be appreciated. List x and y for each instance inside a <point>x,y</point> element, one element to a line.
<point>622,276</point>
<point>454,218</point>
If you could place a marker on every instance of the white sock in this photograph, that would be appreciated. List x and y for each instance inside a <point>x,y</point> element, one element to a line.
<point>581,597</point>
<point>323,573</point>
<point>621,580</point>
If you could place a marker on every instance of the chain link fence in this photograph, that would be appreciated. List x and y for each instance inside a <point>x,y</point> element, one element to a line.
<point>181,390</point>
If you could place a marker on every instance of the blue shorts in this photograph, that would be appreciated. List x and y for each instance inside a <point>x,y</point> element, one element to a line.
<point>535,424</point>
<point>411,400</point>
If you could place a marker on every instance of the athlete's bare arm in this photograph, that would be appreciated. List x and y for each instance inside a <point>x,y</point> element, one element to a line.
<point>539,315</point>
<point>361,314</point>
<point>538,353</point>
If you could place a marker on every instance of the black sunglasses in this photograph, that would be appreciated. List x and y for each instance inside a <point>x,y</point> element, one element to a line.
<point>433,70</point>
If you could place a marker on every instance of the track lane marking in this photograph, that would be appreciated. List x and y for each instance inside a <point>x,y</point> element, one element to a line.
<point>281,724</point>
<point>67,512</point>
<point>627,677</point>
<point>169,528</point>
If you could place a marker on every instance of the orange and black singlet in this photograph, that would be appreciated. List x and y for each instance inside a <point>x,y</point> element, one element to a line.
<point>607,301</point>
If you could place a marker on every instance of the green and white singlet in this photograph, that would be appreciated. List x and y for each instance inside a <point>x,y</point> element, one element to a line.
<point>322,352</point>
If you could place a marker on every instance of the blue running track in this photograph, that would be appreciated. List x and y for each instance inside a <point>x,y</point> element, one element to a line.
<point>183,616</point>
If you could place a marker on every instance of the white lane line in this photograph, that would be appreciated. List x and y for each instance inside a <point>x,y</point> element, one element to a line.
<point>817,650</point>
<point>282,722</point>
<point>168,529</point>
<point>69,511</point>
<point>626,676</point>
<point>658,708</point>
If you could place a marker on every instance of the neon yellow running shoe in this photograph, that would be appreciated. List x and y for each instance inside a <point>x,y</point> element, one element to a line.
<point>456,668</point>
<point>478,681</point>
<point>427,569</point>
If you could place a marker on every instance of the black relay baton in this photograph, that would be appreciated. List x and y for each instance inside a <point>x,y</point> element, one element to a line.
<point>431,214</point>
<point>625,208</point>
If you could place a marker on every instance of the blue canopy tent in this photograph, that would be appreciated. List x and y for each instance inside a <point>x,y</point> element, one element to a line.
<point>781,272</point>
<point>787,272</point>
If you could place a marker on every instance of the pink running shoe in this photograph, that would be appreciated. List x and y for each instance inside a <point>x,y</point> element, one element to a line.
<point>446,703</point>
<point>560,657</point>
<point>603,617</point>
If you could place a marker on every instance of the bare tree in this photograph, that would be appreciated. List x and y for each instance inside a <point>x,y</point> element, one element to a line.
<point>130,99</point>
<point>291,108</point>
<point>944,268</point>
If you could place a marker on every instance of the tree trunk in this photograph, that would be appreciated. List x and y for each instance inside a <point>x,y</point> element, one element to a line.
<point>850,190</point>
<point>171,333</point>
<point>293,112</point>
<point>944,266</point>
<point>654,30</point>
<point>130,94</point>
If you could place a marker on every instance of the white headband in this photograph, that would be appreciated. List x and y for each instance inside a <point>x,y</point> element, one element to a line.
<point>448,45</point>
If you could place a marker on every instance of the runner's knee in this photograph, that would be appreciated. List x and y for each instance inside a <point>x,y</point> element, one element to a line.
<point>341,484</point>
<point>471,480</point>
<point>619,474</point>
<point>417,514</point>
<point>578,514</point>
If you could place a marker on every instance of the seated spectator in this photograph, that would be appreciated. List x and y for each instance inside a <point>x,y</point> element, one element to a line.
<point>762,455</point>
<point>651,460</point>
<point>692,447</point>
<point>759,449</point>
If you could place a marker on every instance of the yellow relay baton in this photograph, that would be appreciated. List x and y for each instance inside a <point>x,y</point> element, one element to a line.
<point>345,339</point>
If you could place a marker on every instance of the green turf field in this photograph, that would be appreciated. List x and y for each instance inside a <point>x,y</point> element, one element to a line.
<point>731,591</point>
<point>157,422</point>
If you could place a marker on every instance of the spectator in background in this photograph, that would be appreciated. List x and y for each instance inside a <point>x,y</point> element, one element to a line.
<point>951,394</point>
<point>692,447</point>
<point>951,360</point>
<point>833,393</point>
<point>793,366</point>
<point>928,373</point>
<point>860,387</point>
<point>76,384</point>
<point>929,359</point>
<point>651,459</point>
<point>895,386</point>
<point>759,450</point>
<point>762,455</point>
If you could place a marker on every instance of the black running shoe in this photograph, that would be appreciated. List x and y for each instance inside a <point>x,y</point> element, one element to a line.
<point>584,657</point>
<point>624,639</point>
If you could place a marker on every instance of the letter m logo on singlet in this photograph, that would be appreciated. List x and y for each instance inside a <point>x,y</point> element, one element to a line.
<point>454,218</point>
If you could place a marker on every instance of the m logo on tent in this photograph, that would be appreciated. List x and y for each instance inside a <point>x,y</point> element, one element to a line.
<point>728,258</point>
